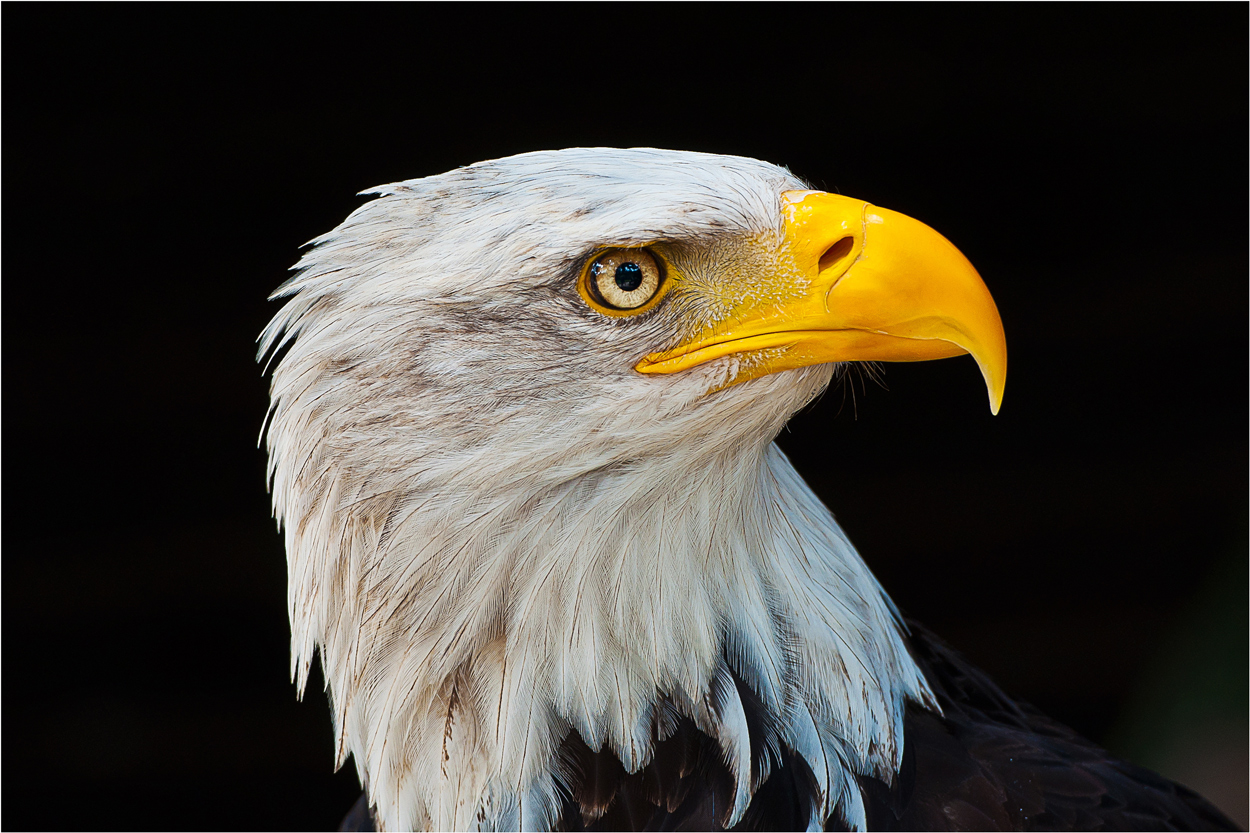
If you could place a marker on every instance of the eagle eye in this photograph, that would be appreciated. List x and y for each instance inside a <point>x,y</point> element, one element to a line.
<point>623,281</point>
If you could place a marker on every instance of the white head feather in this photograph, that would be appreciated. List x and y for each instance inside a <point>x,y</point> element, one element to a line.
<point>498,532</point>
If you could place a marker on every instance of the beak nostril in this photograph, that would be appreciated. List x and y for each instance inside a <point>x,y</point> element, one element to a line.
<point>836,252</point>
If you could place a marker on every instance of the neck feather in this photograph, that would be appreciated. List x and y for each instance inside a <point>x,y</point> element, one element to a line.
<point>465,635</point>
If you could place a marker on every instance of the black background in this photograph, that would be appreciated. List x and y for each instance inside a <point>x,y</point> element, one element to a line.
<point>163,165</point>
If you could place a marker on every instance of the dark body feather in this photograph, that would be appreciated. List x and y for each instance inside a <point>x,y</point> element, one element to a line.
<point>986,763</point>
<point>991,763</point>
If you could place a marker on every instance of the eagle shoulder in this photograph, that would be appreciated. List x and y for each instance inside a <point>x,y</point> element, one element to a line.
<point>992,763</point>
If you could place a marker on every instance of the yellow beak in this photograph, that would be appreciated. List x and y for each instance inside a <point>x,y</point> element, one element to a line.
<point>871,285</point>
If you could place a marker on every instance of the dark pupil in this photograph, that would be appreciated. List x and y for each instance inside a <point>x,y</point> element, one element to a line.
<point>629,276</point>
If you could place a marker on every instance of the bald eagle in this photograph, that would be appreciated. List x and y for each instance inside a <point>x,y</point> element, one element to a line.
<point>559,575</point>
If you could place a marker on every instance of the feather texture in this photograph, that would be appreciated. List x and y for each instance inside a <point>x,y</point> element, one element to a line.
<point>502,540</point>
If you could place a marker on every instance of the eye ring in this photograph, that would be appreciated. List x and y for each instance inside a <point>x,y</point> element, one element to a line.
<point>622,282</point>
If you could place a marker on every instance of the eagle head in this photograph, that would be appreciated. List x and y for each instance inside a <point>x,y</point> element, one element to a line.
<point>520,442</point>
